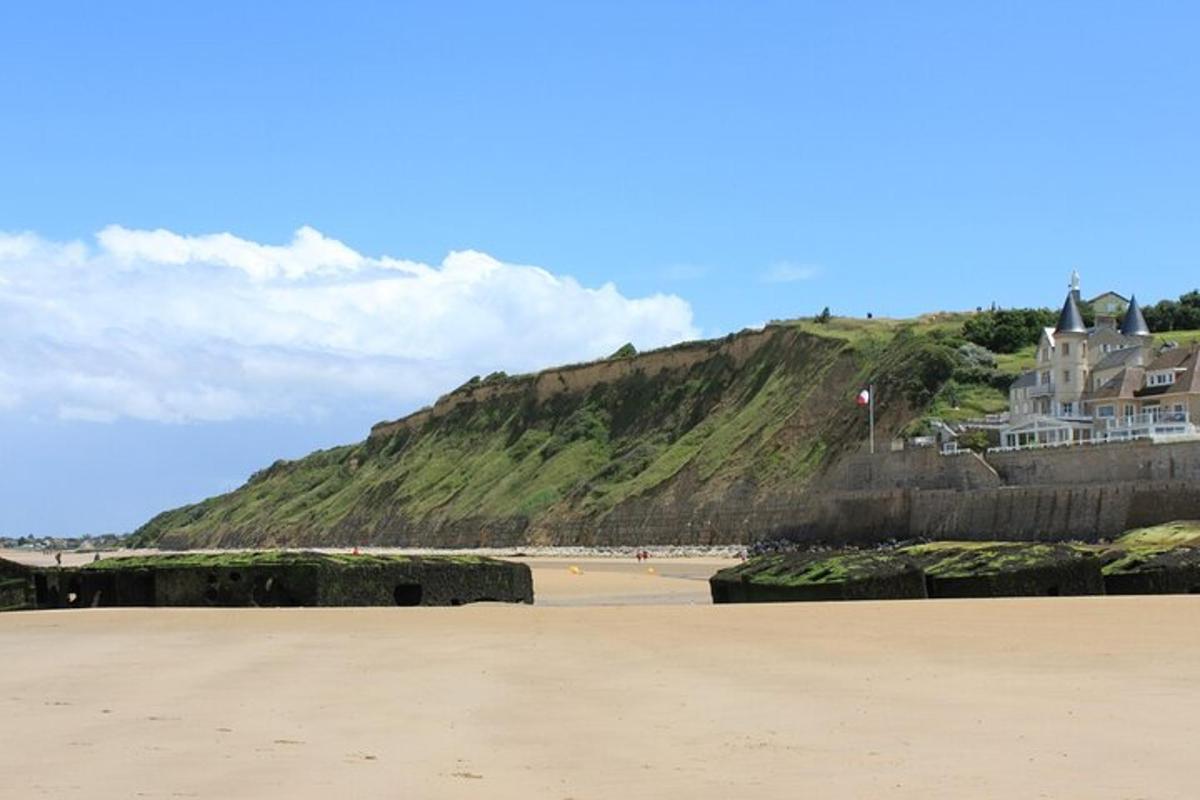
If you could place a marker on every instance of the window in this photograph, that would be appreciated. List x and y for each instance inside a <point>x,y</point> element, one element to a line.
<point>1068,409</point>
<point>1128,410</point>
<point>1066,348</point>
<point>1066,376</point>
<point>1105,411</point>
<point>1161,378</point>
<point>1046,378</point>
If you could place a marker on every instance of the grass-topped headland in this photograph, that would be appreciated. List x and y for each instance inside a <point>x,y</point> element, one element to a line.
<point>580,454</point>
<point>697,443</point>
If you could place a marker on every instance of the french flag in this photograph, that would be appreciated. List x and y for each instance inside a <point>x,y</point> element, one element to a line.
<point>864,397</point>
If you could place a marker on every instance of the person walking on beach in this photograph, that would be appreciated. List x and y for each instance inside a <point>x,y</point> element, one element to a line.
<point>58,558</point>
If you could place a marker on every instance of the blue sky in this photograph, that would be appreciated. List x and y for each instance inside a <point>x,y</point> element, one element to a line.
<point>750,161</point>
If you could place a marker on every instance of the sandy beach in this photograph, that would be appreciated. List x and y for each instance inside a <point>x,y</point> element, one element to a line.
<point>579,698</point>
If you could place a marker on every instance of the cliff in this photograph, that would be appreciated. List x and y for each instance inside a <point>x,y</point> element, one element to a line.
<point>704,442</point>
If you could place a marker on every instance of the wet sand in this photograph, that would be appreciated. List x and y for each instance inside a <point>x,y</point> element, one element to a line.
<point>1024,698</point>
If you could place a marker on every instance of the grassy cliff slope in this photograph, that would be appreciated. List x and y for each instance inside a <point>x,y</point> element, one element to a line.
<point>636,448</point>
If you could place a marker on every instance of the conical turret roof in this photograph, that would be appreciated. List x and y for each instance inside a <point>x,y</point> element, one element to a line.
<point>1070,320</point>
<point>1134,323</point>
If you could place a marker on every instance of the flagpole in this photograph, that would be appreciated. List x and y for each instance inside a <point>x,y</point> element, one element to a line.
<point>871,413</point>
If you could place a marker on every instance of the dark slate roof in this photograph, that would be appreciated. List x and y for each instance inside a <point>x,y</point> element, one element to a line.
<point>1183,361</point>
<point>1070,320</point>
<point>1118,358</point>
<point>1125,384</point>
<point>1026,379</point>
<point>1188,381</point>
<point>1134,323</point>
<point>1171,358</point>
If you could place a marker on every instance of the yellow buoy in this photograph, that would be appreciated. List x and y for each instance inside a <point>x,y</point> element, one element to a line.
<point>574,570</point>
<point>650,570</point>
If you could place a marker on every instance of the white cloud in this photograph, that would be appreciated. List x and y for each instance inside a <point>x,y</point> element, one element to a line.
<point>155,325</point>
<point>310,253</point>
<point>787,272</point>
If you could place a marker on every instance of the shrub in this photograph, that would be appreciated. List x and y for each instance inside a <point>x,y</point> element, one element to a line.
<point>931,366</point>
<point>1007,330</point>
<point>974,439</point>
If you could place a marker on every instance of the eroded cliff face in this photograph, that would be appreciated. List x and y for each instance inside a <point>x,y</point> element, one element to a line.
<point>707,442</point>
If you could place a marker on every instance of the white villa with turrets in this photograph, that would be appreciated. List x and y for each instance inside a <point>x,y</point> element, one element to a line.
<point>1108,382</point>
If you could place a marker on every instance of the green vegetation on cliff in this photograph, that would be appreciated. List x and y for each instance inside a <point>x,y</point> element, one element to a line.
<point>750,418</point>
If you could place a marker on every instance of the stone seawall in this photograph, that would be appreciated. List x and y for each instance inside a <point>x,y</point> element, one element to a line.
<point>916,468</point>
<point>1102,463</point>
<point>1085,492</point>
<point>1084,465</point>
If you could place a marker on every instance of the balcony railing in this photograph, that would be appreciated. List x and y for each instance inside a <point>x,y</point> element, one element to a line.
<point>1149,419</point>
<point>1041,390</point>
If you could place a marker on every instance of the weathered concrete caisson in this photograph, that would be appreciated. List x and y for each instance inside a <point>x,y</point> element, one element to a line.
<point>1172,571</point>
<point>16,586</point>
<point>942,569</point>
<point>1008,569</point>
<point>282,579</point>
<point>871,575</point>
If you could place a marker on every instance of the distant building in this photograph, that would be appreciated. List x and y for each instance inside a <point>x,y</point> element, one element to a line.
<point>1109,304</point>
<point>1107,382</point>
